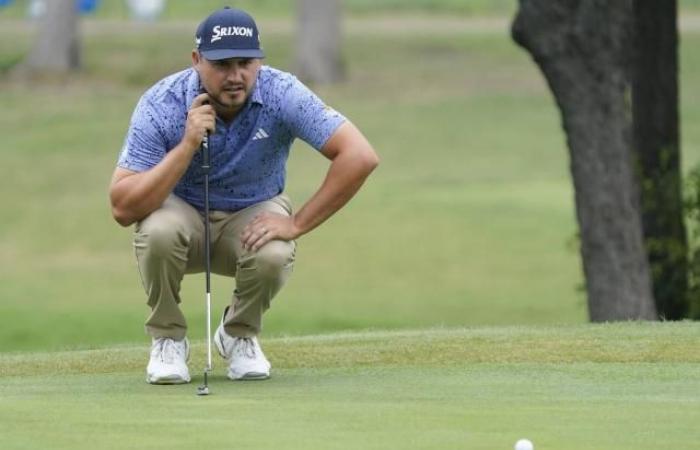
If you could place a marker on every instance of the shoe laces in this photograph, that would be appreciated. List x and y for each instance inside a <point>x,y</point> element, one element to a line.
<point>245,347</point>
<point>167,350</point>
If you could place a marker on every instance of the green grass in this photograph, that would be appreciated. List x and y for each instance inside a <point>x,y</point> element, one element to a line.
<point>469,220</point>
<point>623,386</point>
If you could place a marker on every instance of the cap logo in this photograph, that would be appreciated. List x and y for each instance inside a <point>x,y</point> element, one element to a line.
<point>219,32</point>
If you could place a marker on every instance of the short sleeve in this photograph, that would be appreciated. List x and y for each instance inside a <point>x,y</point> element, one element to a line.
<point>307,117</point>
<point>144,145</point>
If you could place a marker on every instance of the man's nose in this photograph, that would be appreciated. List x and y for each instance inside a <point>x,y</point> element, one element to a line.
<point>234,73</point>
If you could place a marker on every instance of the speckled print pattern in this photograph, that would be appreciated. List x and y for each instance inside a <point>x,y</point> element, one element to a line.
<point>248,165</point>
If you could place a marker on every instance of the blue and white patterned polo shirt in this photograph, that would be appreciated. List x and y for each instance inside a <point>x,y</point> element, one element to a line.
<point>248,156</point>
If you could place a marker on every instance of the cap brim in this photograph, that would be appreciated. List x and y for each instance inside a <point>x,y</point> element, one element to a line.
<point>215,55</point>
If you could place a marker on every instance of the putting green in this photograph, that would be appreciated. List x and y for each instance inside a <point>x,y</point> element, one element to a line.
<point>617,386</point>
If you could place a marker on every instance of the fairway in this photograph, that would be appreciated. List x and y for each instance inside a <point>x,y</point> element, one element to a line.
<point>624,386</point>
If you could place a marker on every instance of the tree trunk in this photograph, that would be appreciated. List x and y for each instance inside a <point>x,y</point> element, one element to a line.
<point>582,48</point>
<point>57,46</point>
<point>656,144</point>
<point>318,52</point>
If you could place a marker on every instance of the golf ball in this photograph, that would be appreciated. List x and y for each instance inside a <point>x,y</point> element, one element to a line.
<point>524,444</point>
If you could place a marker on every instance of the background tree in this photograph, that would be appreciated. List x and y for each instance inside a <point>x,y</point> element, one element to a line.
<point>318,47</point>
<point>583,49</point>
<point>57,46</point>
<point>657,148</point>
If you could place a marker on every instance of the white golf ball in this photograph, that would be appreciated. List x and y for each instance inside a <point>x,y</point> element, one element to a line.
<point>524,444</point>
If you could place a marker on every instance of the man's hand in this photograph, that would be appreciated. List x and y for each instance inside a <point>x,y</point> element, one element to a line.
<point>200,119</point>
<point>266,227</point>
<point>134,195</point>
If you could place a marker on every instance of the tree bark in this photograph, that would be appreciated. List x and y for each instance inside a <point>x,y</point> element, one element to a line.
<point>57,46</point>
<point>318,49</point>
<point>657,149</point>
<point>582,48</point>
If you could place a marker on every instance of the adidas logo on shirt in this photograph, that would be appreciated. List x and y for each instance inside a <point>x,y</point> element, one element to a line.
<point>261,134</point>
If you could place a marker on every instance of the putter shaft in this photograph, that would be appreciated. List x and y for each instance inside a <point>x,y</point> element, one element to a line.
<point>204,390</point>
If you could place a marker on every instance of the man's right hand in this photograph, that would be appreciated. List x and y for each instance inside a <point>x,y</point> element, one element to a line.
<point>200,119</point>
<point>134,195</point>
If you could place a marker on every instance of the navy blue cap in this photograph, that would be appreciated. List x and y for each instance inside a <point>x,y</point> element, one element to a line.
<point>228,33</point>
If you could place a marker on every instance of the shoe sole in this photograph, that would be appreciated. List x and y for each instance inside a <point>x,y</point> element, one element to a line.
<point>250,376</point>
<point>167,380</point>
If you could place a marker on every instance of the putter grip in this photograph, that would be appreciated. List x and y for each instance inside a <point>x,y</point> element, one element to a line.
<point>205,152</point>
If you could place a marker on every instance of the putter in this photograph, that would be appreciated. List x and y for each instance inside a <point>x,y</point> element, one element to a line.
<point>204,389</point>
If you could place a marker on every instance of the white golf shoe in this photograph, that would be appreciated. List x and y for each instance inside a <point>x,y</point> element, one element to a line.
<point>168,363</point>
<point>245,357</point>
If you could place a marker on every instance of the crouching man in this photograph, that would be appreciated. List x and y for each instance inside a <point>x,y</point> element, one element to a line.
<point>253,113</point>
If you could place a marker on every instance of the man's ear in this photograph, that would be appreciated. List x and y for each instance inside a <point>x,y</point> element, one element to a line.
<point>195,60</point>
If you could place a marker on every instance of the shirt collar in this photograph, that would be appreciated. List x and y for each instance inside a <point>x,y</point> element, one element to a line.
<point>256,96</point>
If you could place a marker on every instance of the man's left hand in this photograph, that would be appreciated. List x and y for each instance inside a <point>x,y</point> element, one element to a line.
<point>266,227</point>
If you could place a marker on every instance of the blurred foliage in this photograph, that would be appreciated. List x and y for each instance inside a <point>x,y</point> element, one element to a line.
<point>191,10</point>
<point>187,9</point>
<point>692,212</point>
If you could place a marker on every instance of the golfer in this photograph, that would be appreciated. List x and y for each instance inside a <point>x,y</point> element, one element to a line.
<point>252,114</point>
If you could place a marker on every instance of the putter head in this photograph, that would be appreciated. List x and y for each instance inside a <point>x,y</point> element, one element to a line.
<point>204,389</point>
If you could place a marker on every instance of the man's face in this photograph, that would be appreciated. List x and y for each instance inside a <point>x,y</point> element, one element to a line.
<point>229,82</point>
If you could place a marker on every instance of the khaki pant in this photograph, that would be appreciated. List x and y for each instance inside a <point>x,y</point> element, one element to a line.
<point>170,243</point>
